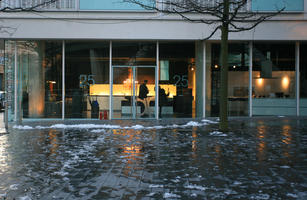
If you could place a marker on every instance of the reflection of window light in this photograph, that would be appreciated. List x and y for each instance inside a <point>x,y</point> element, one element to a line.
<point>216,66</point>
<point>285,82</point>
<point>260,81</point>
<point>164,70</point>
<point>234,66</point>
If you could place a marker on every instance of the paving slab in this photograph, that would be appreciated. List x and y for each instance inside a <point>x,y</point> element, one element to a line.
<point>258,158</point>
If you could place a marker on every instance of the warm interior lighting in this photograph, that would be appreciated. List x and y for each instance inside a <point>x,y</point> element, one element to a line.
<point>260,81</point>
<point>285,82</point>
<point>234,66</point>
<point>216,66</point>
<point>123,90</point>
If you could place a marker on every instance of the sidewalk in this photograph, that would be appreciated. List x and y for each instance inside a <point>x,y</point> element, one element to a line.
<point>169,159</point>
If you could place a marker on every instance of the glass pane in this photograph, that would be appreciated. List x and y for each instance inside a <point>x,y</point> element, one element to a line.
<point>134,53</point>
<point>122,98</point>
<point>238,80</point>
<point>40,69</point>
<point>112,5</point>
<point>86,79</point>
<point>177,81</point>
<point>9,63</point>
<point>303,79</point>
<point>2,59</point>
<point>145,98</point>
<point>273,5</point>
<point>274,79</point>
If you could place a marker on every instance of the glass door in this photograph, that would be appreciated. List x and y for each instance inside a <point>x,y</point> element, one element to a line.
<point>145,96</point>
<point>122,92</point>
<point>133,92</point>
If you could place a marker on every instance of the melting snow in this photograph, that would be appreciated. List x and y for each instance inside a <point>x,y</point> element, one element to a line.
<point>237,183</point>
<point>24,198</point>
<point>100,127</point>
<point>151,194</point>
<point>197,187</point>
<point>292,195</point>
<point>22,127</point>
<point>218,133</point>
<point>14,187</point>
<point>209,121</point>
<point>193,195</point>
<point>155,186</point>
<point>171,195</point>
<point>191,123</point>
<point>260,197</point>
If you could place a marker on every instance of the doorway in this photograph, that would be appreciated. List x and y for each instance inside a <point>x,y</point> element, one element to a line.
<point>126,82</point>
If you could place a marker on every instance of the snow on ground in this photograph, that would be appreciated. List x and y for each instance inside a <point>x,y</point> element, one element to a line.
<point>101,127</point>
<point>218,133</point>
<point>170,195</point>
<point>196,187</point>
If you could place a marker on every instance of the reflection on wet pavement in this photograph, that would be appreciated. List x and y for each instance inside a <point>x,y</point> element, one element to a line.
<point>257,159</point>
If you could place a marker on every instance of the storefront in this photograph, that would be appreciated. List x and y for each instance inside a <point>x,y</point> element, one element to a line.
<point>99,79</point>
<point>265,78</point>
<point>102,79</point>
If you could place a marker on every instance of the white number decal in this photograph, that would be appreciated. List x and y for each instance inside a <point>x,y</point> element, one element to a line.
<point>86,80</point>
<point>181,81</point>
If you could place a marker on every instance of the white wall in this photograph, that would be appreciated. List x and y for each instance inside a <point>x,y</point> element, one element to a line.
<point>144,26</point>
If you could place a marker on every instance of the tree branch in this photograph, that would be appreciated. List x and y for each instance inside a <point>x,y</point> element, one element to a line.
<point>27,9</point>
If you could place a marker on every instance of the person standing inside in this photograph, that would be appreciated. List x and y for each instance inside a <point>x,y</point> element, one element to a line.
<point>143,91</point>
<point>162,100</point>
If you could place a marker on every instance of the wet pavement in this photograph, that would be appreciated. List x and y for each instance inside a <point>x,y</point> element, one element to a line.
<point>170,159</point>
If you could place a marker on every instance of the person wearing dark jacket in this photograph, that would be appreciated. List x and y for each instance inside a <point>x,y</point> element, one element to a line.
<point>162,99</point>
<point>143,91</point>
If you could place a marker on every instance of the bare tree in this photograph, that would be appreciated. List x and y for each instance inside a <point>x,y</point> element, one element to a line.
<point>24,5</point>
<point>226,16</point>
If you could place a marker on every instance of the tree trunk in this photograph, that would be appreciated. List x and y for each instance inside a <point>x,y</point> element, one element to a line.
<point>224,70</point>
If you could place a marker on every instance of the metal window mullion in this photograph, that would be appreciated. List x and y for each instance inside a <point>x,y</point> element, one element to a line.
<point>157,81</point>
<point>133,93</point>
<point>15,81</point>
<point>77,5</point>
<point>110,82</point>
<point>204,78</point>
<point>63,80</point>
<point>297,77</point>
<point>250,97</point>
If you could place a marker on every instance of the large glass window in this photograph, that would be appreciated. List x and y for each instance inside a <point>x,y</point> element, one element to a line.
<point>274,79</point>
<point>9,63</point>
<point>112,5</point>
<point>1,65</point>
<point>238,80</point>
<point>303,79</point>
<point>177,82</point>
<point>133,63</point>
<point>86,79</point>
<point>134,53</point>
<point>40,69</point>
<point>273,5</point>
